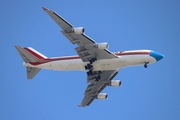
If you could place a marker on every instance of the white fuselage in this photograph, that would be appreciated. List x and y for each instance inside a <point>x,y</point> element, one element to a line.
<point>124,59</point>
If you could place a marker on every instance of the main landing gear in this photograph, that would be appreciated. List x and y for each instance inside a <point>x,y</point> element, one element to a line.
<point>90,72</point>
<point>94,73</point>
<point>98,78</point>
<point>92,60</point>
<point>89,67</point>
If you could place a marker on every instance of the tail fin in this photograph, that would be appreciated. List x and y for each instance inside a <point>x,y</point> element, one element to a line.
<point>30,55</point>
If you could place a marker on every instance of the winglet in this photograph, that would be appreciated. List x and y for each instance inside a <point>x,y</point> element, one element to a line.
<point>44,8</point>
<point>79,105</point>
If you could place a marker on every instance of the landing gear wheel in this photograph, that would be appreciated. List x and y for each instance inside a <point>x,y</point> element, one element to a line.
<point>90,73</point>
<point>145,65</point>
<point>98,78</point>
<point>92,60</point>
<point>88,66</point>
<point>85,67</point>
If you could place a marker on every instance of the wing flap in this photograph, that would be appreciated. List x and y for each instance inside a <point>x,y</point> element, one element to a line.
<point>81,38</point>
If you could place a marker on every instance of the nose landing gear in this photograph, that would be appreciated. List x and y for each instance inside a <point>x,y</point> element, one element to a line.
<point>145,65</point>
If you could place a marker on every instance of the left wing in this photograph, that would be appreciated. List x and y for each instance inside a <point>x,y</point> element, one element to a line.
<point>86,46</point>
<point>94,88</point>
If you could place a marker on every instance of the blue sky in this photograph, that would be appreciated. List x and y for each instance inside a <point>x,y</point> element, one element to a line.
<point>150,94</point>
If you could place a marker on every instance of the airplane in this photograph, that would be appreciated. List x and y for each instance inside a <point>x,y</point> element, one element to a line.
<point>100,64</point>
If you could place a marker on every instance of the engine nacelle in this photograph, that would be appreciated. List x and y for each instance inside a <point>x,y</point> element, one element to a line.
<point>102,96</point>
<point>101,46</point>
<point>78,30</point>
<point>115,83</point>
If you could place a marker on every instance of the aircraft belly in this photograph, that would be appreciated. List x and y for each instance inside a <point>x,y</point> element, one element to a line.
<point>108,64</point>
<point>68,65</point>
<point>137,60</point>
<point>105,64</point>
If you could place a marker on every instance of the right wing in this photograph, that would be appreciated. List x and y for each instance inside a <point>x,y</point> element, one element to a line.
<point>94,88</point>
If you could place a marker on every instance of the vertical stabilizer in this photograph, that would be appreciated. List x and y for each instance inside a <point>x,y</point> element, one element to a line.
<point>30,55</point>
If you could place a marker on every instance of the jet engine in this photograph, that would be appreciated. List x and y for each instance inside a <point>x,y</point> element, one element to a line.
<point>102,96</point>
<point>101,46</point>
<point>115,83</point>
<point>78,30</point>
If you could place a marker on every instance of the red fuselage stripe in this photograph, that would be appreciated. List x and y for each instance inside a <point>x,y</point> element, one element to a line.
<point>35,54</point>
<point>77,57</point>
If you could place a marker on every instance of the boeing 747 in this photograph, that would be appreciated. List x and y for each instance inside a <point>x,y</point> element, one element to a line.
<point>94,58</point>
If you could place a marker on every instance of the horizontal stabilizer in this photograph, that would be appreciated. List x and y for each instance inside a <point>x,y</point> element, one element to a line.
<point>31,72</point>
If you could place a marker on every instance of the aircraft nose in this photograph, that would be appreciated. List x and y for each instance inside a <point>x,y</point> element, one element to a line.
<point>156,55</point>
